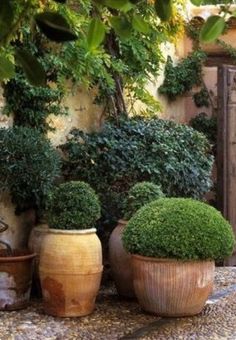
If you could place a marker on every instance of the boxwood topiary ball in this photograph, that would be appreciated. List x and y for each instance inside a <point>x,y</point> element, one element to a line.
<point>139,195</point>
<point>73,205</point>
<point>179,228</point>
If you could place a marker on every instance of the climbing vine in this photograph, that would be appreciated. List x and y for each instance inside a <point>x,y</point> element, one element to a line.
<point>31,106</point>
<point>180,78</point>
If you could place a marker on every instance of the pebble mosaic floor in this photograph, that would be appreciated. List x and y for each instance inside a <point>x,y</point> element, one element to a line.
<point>115,318</point>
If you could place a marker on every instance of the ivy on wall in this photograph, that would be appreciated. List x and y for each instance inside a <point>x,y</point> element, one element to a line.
<point>31,105</point>
<point>180,78</point>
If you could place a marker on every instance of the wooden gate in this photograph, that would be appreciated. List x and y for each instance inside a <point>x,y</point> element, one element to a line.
<point>226,153</point>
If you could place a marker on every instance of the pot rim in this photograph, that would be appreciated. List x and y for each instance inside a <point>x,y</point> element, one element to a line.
<point>39,227</point>
<point>157,259</point>
<point>20,258</point>
<point>122,221</point>
<point>72,232</point>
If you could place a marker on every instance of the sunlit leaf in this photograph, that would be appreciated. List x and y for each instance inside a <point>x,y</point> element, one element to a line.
<point>96,33</point>
<point>196,2</point>
<point>163,9</point>
<point>212,29</point>
<point>34,71</point>
<point>122,5</point>
<point>55,27</point>
<point>139,24</point>
<point>7,68</point>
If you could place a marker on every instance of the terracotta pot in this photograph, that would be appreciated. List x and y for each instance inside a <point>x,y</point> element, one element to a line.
<point>120,261</point>
<point>36,238</point>
<point>169,287</point>
<point>20,226</point>
<point>15,279</point>
<point>70,271</point>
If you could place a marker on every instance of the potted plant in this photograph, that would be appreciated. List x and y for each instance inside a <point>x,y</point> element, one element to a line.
<point>16,268</point>
<point>120,260</point>
<point>71,256</point>
<point>29,166</point>
<point>174,242</point>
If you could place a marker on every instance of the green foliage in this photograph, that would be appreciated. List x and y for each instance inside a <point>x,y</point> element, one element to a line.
<point>212,29</point>
<point>179,228</point>
<point>139,195</point>
<point>201,98</point>
<point>73,205</point>
<point>32,105</point>
<point>28,166</point>
<point>163,152</point>
<point>181,78</point>
<point>56,20</point>
<point>206,125</point>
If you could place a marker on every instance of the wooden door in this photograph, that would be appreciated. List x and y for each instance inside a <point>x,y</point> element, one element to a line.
<point>226,153</point>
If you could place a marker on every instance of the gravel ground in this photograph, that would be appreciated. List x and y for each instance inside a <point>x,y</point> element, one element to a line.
<point>115,318</point>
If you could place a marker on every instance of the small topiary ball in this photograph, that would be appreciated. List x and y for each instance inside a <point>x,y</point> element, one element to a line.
<point>179,228</point>
<point>139,195</point>
<point>73,205</point>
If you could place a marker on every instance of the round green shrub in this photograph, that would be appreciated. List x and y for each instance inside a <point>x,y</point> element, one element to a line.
<point>29,166</point>
<point>73,205</point>
<point>139,195</point>
<point>179,228</point>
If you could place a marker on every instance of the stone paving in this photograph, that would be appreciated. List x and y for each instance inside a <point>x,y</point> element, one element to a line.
<point>115,318</point>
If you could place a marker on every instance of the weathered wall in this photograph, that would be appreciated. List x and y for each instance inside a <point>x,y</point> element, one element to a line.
<point>82,113</point>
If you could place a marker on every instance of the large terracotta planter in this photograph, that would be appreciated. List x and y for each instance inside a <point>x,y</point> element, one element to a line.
<point>20,226</point>
<point>15,279</point>
<point>36,239</point>
<point>70,271</point>
<point>169,287</point>
<point>120,262</point>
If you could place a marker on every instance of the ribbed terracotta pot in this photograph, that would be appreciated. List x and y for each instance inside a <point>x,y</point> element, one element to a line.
<point>168,287</point>
<point>70,271</point>
<point>15,278</point>
<point>120,261</point>
<point>36,239</point>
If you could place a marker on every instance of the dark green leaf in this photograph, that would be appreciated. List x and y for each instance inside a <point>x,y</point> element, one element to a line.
<point>6,17</point>
<point>212,29</point>
<point>61,1</point>
<point>121,26</point>
<point>140,25</point>
<point>163,9</point>
<point>34,71</point>
<point>55,26</point>
<point>96,33</point>
<point>7,68</point>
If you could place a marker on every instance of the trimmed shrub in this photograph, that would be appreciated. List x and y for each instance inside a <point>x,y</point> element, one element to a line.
<point>139,195</point>
<point>73,205</point>
<point>28,166</point>
<point>179,228</point>
<point>168,154</point>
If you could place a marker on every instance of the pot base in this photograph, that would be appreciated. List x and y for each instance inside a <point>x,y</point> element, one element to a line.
<point>15,279</point>
<point>172,288</point>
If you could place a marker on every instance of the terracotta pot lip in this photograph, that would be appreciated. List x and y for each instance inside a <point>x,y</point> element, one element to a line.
<point>156,259</point>
<point>72,232</point>
<point>20,258</point>
<point>41,228</point>
<point>122,221</point>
